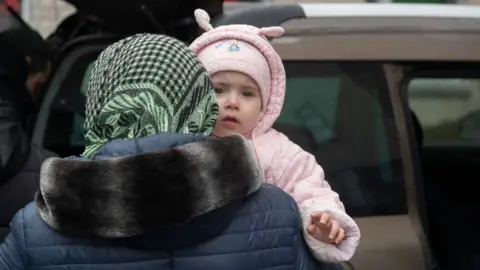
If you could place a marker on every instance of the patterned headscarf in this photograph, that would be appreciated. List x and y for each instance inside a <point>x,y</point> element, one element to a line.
<point>143,85</point>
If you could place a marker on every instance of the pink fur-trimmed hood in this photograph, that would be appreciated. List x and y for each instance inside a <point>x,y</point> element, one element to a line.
<point>256,37</point>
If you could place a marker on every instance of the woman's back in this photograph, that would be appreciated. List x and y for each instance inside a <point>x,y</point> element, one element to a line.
<point>260,231</point>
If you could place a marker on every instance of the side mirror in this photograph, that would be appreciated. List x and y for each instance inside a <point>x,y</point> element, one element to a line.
<point>469,126</point>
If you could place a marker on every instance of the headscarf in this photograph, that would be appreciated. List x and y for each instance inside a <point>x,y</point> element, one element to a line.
<point>147,84</point>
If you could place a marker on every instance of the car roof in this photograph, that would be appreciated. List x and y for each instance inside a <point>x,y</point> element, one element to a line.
<point>229,7</point>
<point>399,32</point>
<point>391,10</point>
<point>356,17</point>
<point>388,18</point>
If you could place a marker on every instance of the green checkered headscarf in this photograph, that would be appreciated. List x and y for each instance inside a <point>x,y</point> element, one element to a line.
<point>143,85</point>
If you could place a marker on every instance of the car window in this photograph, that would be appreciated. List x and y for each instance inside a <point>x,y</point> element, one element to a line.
<point>86,78</point>
<point>63,132</point>
<point>340,113</point>
<point>458,120</point>
<point>301,106</point>
<point>76,137</point>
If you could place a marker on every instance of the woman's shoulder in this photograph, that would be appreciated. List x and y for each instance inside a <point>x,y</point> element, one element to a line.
<point>273,202</point>
<point>26,219</point>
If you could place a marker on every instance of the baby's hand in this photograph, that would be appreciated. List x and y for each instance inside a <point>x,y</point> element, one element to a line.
<point>325,229</point>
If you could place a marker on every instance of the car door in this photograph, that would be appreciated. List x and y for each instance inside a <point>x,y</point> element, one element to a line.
<point>445,97</point>
<point>354,134</point>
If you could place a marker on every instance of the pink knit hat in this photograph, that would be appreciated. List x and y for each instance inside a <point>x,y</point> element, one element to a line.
<point>241,48</point>
<point>236,55</point>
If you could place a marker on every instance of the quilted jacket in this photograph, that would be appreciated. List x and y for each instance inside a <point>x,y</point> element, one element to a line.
<point>167,201</point>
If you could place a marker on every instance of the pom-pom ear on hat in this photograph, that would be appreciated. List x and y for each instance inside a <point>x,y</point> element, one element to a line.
<point>274,31</point>
<point>203,20</point>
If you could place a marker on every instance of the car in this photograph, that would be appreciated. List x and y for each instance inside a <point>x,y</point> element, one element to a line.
<point>352,88</point>
<point>392,50</point>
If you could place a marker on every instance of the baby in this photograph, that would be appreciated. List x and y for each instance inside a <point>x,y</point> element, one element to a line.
<point>249,78</point>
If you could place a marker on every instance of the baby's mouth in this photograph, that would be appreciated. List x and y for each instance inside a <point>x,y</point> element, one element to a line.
<point>230,120</point>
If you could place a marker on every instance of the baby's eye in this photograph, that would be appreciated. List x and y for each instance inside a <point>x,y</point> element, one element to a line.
<point>248,94</point>
<point>218,90</point>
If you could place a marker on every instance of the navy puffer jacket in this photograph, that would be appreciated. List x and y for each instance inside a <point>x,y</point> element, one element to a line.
<point>196,203</point>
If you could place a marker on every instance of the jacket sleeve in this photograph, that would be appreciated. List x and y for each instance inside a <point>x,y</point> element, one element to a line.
<point>304,179</point>
<point>12,250</point>
<point>14,145</point>
<point>305,260</point>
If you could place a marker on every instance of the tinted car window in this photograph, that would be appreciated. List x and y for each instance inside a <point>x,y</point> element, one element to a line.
<point>341,113</point>
<point>76,137</point>
<point>458,120</point>
<point>64,127</point>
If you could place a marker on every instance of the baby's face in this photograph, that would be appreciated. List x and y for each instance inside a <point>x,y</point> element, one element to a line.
<point>239,101</point>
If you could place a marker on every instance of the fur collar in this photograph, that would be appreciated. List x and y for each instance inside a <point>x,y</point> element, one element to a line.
<point>135,194</point>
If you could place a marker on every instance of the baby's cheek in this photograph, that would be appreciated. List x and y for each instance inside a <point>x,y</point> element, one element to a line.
<point>249,128</point>
<point>220,101</point>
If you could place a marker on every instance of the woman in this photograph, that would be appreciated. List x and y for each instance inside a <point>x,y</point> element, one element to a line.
<point>152,191</point>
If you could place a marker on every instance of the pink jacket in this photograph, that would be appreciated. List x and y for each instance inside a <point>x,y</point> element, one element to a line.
<point>296,171</point>
<point>285,164</point>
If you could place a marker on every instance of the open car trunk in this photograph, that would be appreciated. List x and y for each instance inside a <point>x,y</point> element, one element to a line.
<point>126,17</point>
<point>137,12</point>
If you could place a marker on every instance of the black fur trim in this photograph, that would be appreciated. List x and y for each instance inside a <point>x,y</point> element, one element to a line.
<point>132,195</point>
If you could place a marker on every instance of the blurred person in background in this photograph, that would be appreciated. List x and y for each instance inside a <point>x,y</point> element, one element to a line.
<point>24,67</point>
